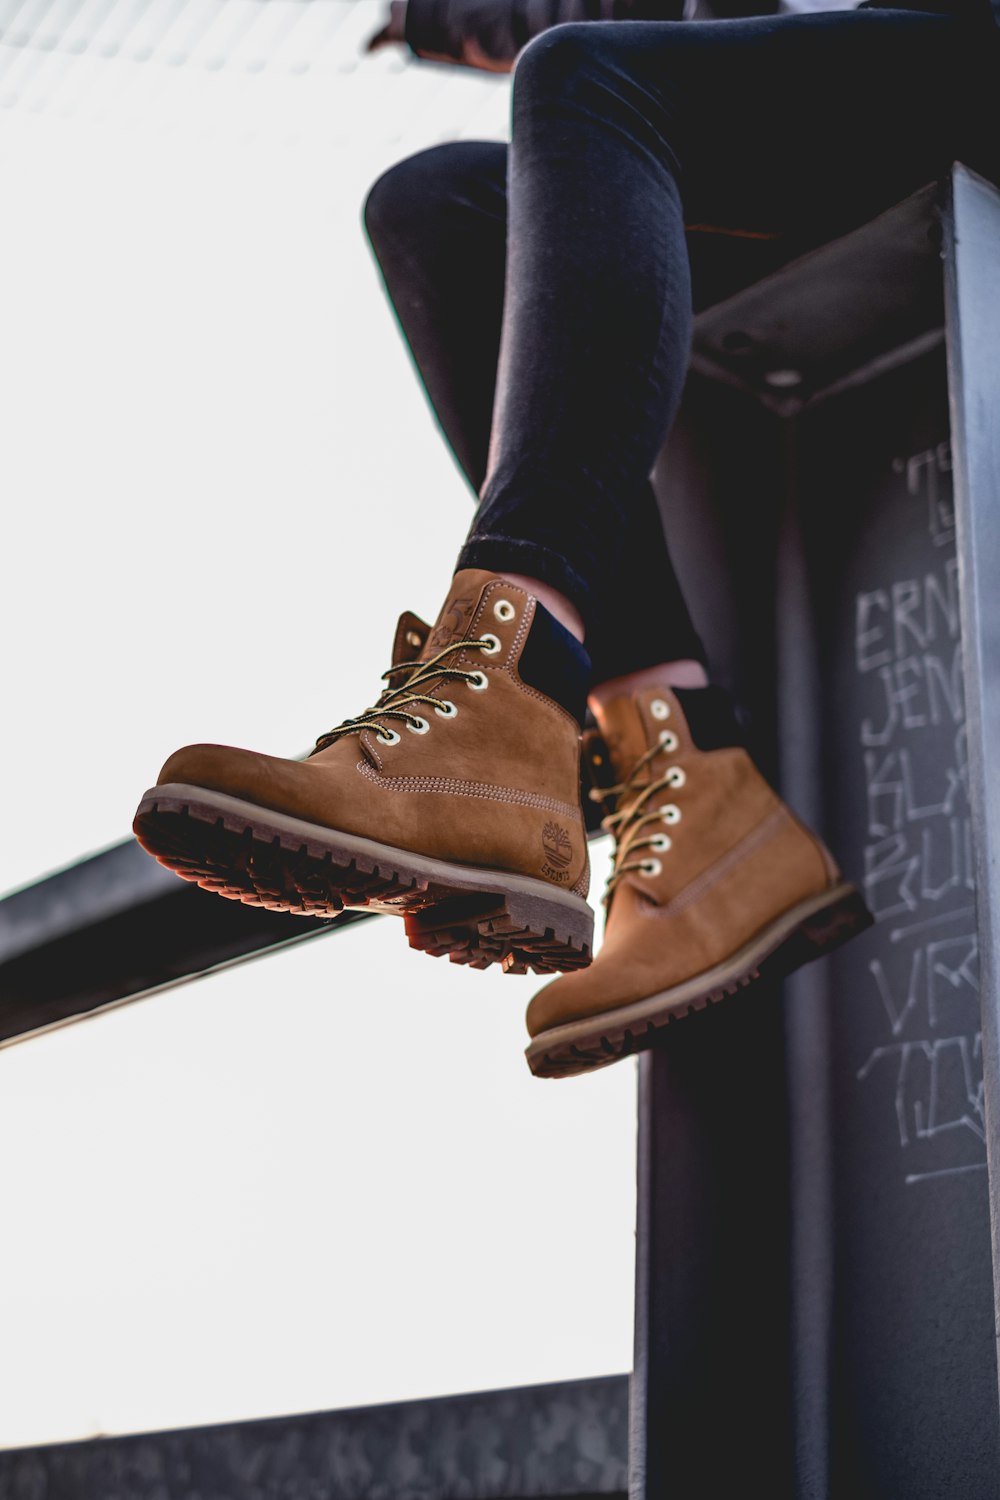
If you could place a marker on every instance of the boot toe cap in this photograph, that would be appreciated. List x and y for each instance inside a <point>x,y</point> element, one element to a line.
<point>262,779</point>
<point>571,997</point>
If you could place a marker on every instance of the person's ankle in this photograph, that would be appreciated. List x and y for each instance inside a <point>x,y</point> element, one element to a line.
<point>557,604</point>
<point>685,673</point>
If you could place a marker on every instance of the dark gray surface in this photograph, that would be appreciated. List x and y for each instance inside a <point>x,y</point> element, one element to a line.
<point>914,1411</point>
<point>565,1440</point>
<point>106,885</point>
<point>712,1413</point>
<point>844,309</point>
<point>807,1024</point>
<point>973,310</point>
<point>712,1383</point>
<point>117,926</point>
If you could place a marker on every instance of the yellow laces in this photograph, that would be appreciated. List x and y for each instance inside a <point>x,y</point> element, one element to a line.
<point>394,700</point>
<point>629,819</point>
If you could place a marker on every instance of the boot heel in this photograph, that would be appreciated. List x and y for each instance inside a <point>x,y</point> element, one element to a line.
<point>842,916</point>
<point>519,931</point>
<point>837,922</point>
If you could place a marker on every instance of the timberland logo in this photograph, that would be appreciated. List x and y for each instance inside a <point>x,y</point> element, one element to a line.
<point>558,851</point>
<point>451,626</point>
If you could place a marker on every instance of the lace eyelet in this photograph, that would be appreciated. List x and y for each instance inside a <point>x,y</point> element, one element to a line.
<point>493,647</point>
<point>675,776</point>
<point>504,610</point>
<point>668,739</point>
<point>478,682</point>
<point>659,709</point>
<point>445,709</point>
<point>414,639</point>
<point>661,842</point>
<point>420,726</point>
<point>388,736</point>
<point>651,868</point>
<point>669,813</point>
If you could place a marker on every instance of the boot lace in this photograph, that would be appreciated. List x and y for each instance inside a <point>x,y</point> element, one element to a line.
<point>395,700</point>
<point>632,815</point>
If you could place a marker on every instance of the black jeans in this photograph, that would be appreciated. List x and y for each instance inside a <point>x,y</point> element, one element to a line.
<point>547,299</point>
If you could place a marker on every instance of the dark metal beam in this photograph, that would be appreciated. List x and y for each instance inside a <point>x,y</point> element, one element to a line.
<point>565,1440</point>
<point>840,313</point>
<point>118,926</point>
<point>972,272</point>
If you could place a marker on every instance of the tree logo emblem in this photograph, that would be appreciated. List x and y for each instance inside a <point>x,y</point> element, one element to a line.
<point>557,846</point>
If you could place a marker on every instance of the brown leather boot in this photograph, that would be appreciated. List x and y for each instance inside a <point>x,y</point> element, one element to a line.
<point>454,802</point>
<point>715,882</point>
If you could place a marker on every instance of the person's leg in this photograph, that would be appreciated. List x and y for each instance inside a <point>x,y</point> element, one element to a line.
<point>622,131</point>
<point>437,223</point>
<point>714,877</point>
<point>438,226</point>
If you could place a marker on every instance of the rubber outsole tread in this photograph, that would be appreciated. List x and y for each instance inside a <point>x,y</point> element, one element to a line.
<point>228,856</point>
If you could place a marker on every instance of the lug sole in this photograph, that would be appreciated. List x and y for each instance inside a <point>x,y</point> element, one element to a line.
<point>804,933</point>
<point>472,916</point>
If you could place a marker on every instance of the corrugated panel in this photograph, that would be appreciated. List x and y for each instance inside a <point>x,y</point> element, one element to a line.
<point>555,1440</point>
<point>279,69</point>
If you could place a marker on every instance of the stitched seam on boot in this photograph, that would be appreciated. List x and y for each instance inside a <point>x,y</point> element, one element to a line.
<point>762,834</point>
<point>482,789</point>
<point>481,615</point>
<point>368,746</point>
<point>549,703</point>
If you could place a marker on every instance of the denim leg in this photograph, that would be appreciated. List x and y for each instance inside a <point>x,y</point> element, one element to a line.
<point>597,318</point>
<point>438,225</point>
<point>799,125</point>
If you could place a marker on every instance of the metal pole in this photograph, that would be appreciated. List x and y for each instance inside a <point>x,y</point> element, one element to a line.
<point>972,310</point>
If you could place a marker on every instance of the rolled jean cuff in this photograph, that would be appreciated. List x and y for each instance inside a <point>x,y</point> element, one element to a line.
<point>502,554</point>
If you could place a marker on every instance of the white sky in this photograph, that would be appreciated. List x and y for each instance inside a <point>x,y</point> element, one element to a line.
<point>325,1178</point>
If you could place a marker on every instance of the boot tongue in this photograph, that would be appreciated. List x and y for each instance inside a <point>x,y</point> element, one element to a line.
<point>455,619</point>
<point>410,639</point>
<point>624,729</point>
<point>416,641</point>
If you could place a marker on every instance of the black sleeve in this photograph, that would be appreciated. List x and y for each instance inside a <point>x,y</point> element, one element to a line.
<point>500,28</point>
